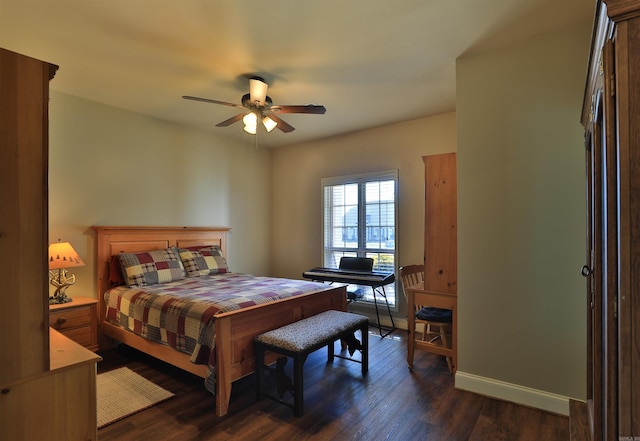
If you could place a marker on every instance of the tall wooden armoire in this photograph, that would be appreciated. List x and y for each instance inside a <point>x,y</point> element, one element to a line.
<point>24,150</point>
<point>440,285</point>
<point>47,382</point>
<point>611,117</point>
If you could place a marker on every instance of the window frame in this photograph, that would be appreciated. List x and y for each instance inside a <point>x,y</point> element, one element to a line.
<point>361,249</point>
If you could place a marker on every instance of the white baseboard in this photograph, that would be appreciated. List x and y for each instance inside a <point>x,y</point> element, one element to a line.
<point>514,393</point>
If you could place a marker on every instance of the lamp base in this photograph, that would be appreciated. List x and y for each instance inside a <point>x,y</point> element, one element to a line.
<point>56,300</point>
<point>61,281</point>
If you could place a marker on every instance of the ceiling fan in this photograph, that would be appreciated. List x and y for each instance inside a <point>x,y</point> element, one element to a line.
<point>260,108</point>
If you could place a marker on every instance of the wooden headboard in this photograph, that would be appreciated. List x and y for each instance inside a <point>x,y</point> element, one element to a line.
<point>114,240</point>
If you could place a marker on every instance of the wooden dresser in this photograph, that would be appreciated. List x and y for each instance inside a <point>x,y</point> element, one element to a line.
<point>611,117</point>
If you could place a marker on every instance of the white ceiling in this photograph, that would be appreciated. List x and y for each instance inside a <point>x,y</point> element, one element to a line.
<point>369,62</point>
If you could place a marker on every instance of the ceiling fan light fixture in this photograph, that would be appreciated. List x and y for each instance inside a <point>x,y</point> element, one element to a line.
<point>258,91</point>
<point>256,105</point>
<point>250,119</point>
<point>268,123</point>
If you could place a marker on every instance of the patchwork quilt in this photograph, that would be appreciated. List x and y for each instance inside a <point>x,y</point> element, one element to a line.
<point>181,314</point>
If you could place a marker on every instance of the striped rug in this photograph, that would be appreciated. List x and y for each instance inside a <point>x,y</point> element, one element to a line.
<point>122,392</point>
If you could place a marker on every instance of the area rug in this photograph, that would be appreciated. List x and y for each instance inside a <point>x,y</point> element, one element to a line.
<point>122,392</point>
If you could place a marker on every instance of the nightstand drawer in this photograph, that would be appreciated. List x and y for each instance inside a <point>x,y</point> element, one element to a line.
<point>70,318</point>
<point>82,335</point>
<point>77,320</point>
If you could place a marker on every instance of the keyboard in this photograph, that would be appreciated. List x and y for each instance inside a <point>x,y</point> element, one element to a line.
<point>367,278</point>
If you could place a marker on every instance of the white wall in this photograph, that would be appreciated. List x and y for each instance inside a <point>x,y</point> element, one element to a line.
<point>112,167</point>
<point>296,232</point>
<point>521,202</point>
<point>521,218</point>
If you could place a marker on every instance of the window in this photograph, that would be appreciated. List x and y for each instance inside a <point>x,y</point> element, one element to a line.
<point>360,221</point>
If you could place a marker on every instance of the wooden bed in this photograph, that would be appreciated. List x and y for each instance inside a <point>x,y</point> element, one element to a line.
<point>234,330</point>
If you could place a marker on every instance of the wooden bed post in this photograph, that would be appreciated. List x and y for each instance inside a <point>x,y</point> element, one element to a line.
<point>223,367</point>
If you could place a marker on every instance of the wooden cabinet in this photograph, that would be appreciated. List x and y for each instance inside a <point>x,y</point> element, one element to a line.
<point>78,320</point>
<point>440,223</point>
<point>56,405</point>
<point>440,287</point>
<point>24,122</point>
<point>611,117</point>
<point>47,382</point>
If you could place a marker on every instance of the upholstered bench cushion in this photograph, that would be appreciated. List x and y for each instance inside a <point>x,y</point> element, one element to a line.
<point>431,314</point>
<point>312,331</point>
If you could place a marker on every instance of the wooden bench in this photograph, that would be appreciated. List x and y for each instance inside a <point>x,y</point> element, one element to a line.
<point>297,340</point>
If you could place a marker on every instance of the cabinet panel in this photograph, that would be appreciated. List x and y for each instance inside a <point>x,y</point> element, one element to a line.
<point>610,116</point>
<point>24,94</point>
<point>57,405</point>
<point>441,224</point>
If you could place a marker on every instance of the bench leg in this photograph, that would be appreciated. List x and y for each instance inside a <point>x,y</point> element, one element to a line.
<point>364,331</point>
<point>330,352</point>
<point>298,384</point>
<point>259,370</point>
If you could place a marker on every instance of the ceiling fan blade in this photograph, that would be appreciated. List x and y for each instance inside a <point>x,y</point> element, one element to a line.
<point>282,125</point>
<point>207,100</point>
<point>310,108</point>
<point>228,122</point>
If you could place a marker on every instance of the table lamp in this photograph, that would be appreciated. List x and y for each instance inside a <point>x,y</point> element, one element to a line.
<point>62,256</point>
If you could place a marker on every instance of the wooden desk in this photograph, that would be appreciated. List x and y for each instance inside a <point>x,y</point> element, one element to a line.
<point>417,295</point>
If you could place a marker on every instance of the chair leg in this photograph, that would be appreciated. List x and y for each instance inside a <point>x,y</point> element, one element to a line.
<point>443,337</point>
<point>450,365</point>
<point>445,343</point>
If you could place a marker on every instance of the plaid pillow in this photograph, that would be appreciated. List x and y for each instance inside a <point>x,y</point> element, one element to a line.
<point>151,267</point>
<point>203,262</point>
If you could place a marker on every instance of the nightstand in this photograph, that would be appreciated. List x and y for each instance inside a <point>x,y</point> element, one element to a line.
<point>78,320</point>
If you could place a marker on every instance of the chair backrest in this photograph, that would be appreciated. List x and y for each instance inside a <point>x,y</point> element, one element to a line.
<point>411,275</point>
<point>356,263</point>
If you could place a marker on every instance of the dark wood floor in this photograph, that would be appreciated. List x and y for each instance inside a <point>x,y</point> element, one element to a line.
<point>391,403</point>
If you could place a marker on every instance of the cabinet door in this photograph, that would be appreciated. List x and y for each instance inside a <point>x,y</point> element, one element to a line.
<point>613,245</point>
<point>441,224</point>
<point>24,94</point>
<point>602,256</point>
<point>627,136</point>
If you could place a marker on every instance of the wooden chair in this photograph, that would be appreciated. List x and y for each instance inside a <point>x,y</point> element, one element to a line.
<point>434,322</point>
